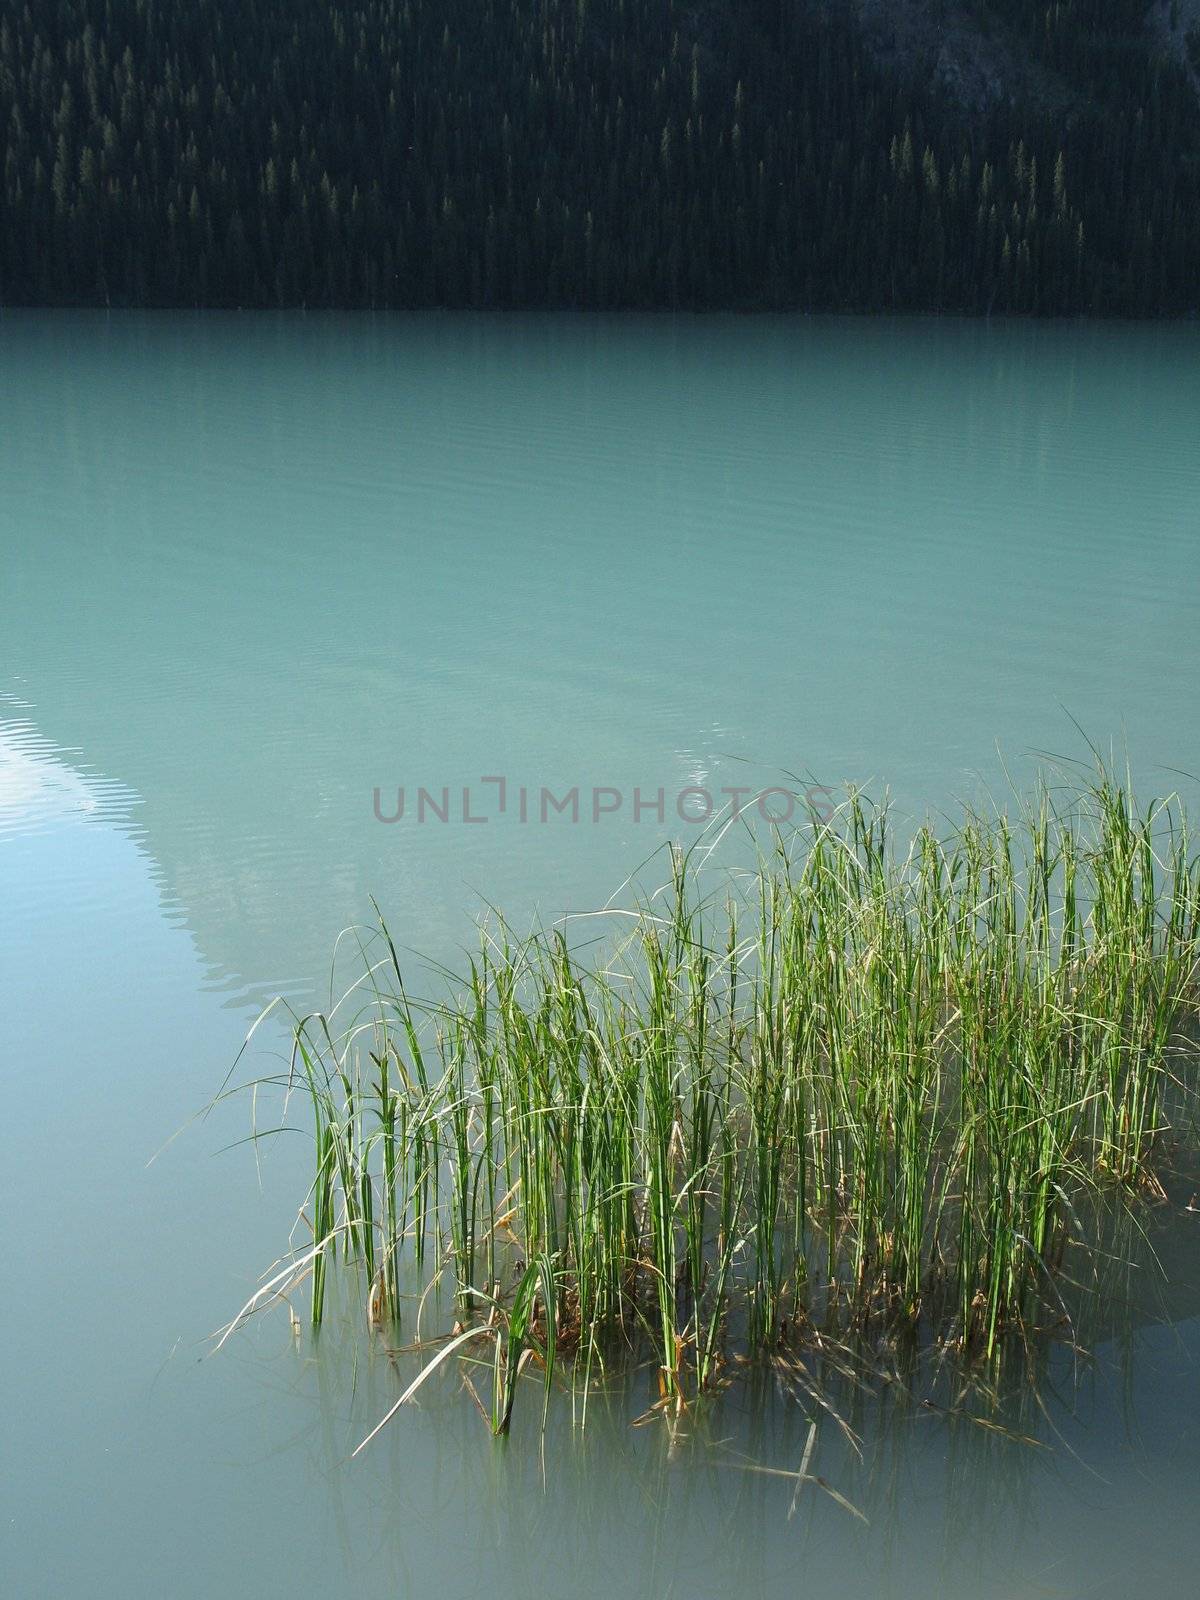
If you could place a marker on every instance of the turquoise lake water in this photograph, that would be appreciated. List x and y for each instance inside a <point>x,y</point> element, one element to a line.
<point>257,576</point>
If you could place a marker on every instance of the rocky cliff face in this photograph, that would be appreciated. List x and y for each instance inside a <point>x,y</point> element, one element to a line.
<point>1176,25</point>
<point>961,49</point>
<point>967,51</point>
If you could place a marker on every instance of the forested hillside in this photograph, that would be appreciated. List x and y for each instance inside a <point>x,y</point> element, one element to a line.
<point>1011,155</point>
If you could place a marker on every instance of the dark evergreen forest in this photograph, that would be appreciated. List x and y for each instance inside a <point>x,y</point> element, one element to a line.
<point>587,153</point>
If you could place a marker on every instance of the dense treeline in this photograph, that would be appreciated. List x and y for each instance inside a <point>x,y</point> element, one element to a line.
<point>585,153</point>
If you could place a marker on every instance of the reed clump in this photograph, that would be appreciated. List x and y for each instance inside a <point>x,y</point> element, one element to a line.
<point>869,1085</point>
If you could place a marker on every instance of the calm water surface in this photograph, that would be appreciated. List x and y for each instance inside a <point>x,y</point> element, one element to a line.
<point>253,570</point>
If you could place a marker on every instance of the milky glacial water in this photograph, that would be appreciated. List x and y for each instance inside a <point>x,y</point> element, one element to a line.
<point>257,575</point>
